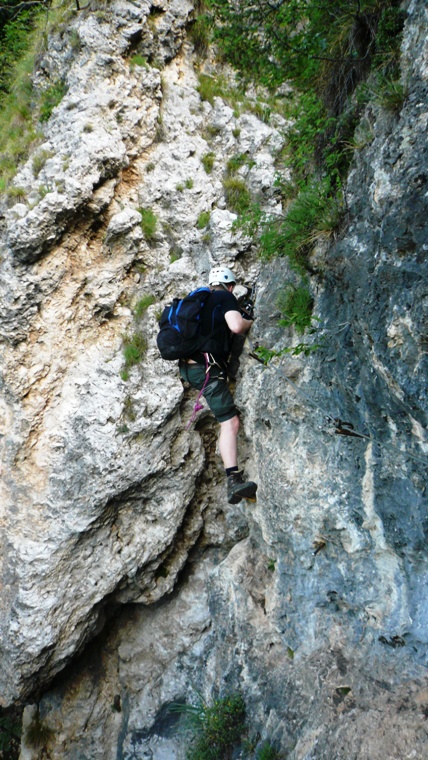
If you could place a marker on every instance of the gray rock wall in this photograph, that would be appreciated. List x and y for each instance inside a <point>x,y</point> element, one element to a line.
<point>311,602</point>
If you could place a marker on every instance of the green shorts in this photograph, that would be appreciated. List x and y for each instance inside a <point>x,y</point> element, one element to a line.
<point>216,392</point>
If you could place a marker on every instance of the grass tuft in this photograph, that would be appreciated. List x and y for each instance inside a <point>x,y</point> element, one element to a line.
<point>134,349</point>
<point>238,197</point>
<point>149,223</point>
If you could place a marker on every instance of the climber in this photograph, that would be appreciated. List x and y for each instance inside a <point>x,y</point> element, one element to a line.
<point>221,317</point>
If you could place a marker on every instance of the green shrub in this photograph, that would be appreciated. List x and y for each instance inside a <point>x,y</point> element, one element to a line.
<point>312,215</point>
<point>218,729</point>
<point>143,304</point>
<point>238,197</point>
<point>208,162</point>
<point>189,183</point>
<point>203,219</point>
<point>295,304</point>
<point>134,349</point>
<point>149,223</point>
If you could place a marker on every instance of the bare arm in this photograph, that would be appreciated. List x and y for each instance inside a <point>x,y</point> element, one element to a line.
<point>237,323</point>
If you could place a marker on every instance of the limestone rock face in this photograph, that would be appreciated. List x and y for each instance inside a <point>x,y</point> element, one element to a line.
<point>115,529</point>
<point>100,496</point>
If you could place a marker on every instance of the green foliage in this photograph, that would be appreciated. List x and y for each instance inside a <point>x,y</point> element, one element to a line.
<point>267,752</point>
<point>188,183</point>
<point>267,354</point>
<point>391,94</point>
<point>16,192</point>
<point>138,60</point>
<point>15,40</point>
<point>143,304</point>
<point>75,40</point>
<point>238,197</point>
<point>39,161</point>
<point>51,98</point>
<point>203,219</point>
<point>149,223</point>
<point>235,163</point>
<point>326,50</point>
<point>314,214</point>
<point>218,728</point>
<point>134,349</point>
<point>174,256</point>
<point>208,162</point>
<point>295,304</point>
<point>210,87</point>
<point>200,34</point>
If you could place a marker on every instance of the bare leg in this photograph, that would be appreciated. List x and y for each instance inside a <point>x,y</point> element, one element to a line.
<point>228,442</point>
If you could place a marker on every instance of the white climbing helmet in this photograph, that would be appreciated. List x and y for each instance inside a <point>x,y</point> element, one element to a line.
<point>221,276</point>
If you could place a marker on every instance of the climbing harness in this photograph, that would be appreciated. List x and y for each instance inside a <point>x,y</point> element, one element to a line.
<point>340,427</point>
<point>209,362</point>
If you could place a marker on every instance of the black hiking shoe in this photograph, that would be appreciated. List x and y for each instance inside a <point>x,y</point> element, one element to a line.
<point>238,489</point>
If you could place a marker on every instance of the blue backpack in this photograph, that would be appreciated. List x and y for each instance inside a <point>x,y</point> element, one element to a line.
<point>179,336</point>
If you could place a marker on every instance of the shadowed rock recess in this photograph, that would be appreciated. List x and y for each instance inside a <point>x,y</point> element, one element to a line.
<point>127,581</point>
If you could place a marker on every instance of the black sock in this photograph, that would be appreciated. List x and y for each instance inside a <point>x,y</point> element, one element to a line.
<point>229,470</point>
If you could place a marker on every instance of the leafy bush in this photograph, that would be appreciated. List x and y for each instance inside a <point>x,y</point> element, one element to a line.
<point>149,223</point>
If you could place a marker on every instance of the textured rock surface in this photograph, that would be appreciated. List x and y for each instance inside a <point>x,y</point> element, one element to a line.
<point>311,602</point>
